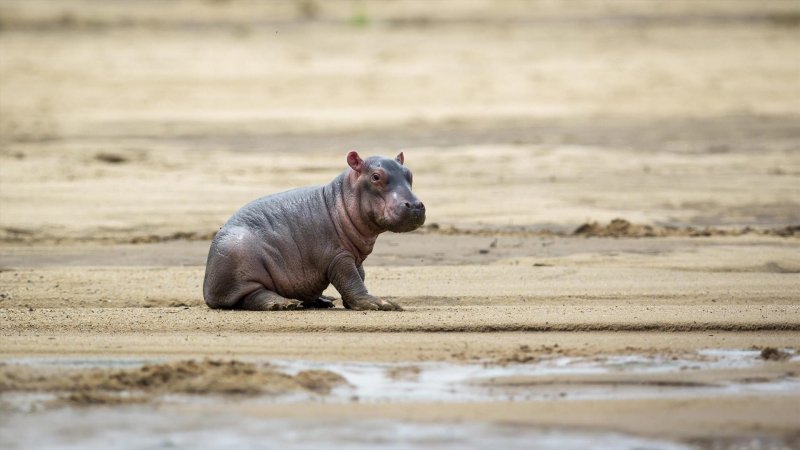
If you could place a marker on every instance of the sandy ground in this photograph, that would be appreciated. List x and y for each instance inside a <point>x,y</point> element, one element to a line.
<point>128,135</point>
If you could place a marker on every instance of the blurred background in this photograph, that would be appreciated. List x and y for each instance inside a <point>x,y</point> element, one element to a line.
<point>525,122</point>
<point>157,119</point>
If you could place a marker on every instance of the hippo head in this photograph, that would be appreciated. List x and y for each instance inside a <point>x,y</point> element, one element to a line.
<point>386,199</point>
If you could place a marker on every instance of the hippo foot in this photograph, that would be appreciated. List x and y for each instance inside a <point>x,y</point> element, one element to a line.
<point>323,301</point>
<point>269,301</point>
<point>371,303</point>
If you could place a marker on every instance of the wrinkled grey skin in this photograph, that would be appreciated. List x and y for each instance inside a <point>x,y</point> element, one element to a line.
<point>281,251</point>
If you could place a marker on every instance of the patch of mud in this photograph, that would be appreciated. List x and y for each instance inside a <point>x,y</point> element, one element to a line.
<point>319,381</point>
<point>617,228</point>
<point>176,236</point>
<point>132,385</point>
<point>774,354</point>
<point>94,398</point>
<point>525,354</point>
<point>403,372</point>
<point>111,158</point>
<point>623,228</point>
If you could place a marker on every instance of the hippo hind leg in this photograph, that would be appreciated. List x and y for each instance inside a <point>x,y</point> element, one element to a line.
<point>232,275</point>
<point>264,300</point>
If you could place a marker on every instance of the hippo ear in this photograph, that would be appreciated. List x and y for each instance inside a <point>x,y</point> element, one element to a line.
<point>399,158</point>
<point>355,162</point>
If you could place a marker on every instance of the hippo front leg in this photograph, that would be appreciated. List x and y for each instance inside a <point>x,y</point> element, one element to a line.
<point>348,280</point>
<point>361,273</point>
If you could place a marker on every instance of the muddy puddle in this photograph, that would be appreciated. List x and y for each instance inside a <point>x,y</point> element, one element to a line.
<point>38,383</point>
<point>559,377</point>
<point>149,403</point>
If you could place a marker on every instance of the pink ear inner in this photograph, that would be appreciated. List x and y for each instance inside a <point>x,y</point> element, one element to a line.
<point>354,161</point>
<point>400,158</point>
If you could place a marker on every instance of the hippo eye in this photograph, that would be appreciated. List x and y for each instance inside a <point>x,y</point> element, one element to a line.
<point>376,177</point>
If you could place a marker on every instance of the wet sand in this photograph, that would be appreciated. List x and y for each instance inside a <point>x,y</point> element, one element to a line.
<point>129,135</point>
<point>519,303</point>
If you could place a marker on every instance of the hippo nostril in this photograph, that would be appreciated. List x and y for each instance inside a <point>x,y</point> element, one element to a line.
<point>418,206</point>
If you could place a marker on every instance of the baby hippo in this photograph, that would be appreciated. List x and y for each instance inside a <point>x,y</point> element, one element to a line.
<point>281,251</point>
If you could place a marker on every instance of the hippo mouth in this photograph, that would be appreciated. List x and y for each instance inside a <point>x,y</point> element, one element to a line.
<point>409,221</point>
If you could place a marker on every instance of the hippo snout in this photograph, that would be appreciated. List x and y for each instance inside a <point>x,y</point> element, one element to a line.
<point>409,216</point>
<point>415,206</point>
